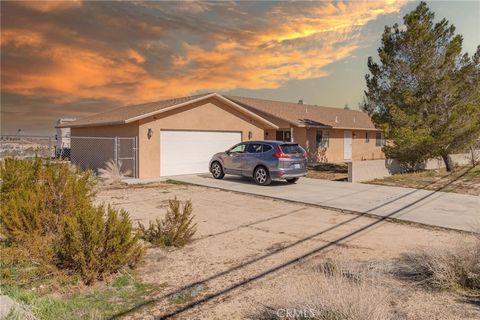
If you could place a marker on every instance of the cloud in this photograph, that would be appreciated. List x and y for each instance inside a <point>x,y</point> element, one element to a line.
<point>132,52</point>
<point>49,6</point>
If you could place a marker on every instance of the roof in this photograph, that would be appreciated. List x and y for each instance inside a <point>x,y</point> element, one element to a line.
<point>122,114</point>
<point>300,115</point>
<point>303,115</point>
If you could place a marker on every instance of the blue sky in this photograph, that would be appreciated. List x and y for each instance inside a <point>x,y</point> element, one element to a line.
<point>63,59</point>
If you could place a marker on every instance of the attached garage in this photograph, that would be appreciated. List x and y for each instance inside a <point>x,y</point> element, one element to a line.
<point>176,136</point>
<point>187,152</point>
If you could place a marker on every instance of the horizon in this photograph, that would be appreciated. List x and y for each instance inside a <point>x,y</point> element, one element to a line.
<point>75,59</point>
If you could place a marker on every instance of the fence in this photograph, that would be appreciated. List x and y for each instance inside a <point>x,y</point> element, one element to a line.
<point>87,152</point>
<point>25,147</point>
<point>95,152</point>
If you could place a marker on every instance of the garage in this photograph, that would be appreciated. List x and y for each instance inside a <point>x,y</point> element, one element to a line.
<point>171,137</point>
<point>187,152</point>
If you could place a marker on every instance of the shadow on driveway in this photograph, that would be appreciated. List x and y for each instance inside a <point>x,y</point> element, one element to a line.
<point>208,297</point>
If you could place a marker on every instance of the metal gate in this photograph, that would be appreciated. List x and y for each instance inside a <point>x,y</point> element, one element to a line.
<point>95,152</point>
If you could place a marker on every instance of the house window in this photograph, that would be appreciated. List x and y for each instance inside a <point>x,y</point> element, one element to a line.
<point>284,135</point>
<point>367,138</point>
<point>323,139</point>
<point>379,139</point>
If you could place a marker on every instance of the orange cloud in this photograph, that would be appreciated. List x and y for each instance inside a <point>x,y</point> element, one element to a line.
<point>20,38</point>
<point>48,6</point>
<point>294,44</point>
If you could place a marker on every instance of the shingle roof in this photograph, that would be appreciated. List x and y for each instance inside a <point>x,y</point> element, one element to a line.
<point>122,114</point>
<point>294,113</point>
<point>308,115</point>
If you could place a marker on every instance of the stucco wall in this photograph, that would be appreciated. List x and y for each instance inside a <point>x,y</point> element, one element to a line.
<point>206,115</point>
<point>359,171</point>
<point>361,150</point>
<point>125,130</point>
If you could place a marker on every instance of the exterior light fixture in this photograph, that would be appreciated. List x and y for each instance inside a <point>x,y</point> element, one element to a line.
<point>250,134</point>
<point>149,133</point>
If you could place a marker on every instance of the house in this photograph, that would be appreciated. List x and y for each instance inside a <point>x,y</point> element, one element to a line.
<point>178,136</point>
<point>62,148</point>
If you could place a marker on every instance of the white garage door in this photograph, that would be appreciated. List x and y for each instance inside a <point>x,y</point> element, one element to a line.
<point>186,152</point>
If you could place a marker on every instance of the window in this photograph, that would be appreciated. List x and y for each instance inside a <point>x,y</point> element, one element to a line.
<point>323,139</point>
<point>267,147</point>
<point>254,148</point>
<point>239,148</point>
<point>380,140</point>
<point>292,149</point>
<point>284,135</point>
<point>367,138</point>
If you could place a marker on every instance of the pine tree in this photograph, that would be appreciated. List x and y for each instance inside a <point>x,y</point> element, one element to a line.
<point>424,93</point>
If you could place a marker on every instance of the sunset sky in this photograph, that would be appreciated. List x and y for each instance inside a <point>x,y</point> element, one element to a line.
<point>73,59</point>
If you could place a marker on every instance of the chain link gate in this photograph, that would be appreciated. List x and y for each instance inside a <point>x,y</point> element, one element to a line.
<point>95,152</point>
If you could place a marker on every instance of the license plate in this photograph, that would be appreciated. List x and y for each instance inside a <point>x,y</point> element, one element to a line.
<point>297,165</point>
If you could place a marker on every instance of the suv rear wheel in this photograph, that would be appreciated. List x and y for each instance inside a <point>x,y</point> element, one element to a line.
<point>261,176</point>
<point>292,180</point>
<point>217,170</point>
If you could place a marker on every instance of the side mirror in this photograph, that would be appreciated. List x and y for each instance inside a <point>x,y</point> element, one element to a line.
<point>227,152</point>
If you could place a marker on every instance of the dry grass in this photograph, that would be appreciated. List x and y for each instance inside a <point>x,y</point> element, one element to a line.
<point>328,171</point>
<point>333,291</point>
<point>113,173</point>
<point>456,268</point>
<point>464,180</point>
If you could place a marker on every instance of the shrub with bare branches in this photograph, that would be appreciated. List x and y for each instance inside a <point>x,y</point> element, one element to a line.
<point>455,268</point>
<point>334,290</point>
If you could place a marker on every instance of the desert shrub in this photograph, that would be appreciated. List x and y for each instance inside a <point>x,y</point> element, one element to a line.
<point>333,291</point>
<point>113,172</point>
<point>176,229</point>
<point>48,215</point>
<point>455,268</point>
<point>35,194</point>
<point>98,241</point>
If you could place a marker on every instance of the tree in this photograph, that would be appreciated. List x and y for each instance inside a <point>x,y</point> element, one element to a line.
<point>424,93</point>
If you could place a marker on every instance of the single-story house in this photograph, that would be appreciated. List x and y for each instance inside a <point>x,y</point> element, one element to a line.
<point>178,136</point>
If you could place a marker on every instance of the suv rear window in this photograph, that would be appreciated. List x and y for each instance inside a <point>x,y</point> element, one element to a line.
<point>291,149</point>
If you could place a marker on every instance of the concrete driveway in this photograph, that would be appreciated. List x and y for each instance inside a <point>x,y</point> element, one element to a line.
<point>448,210</point>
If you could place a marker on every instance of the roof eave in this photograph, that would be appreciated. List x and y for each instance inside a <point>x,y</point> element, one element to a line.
<point>212,95</point>
<point>296,124</point>
<point>72,125</point>
<point>355,128</point>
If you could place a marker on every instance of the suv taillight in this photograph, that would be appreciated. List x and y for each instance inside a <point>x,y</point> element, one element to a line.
<point>279,154</point>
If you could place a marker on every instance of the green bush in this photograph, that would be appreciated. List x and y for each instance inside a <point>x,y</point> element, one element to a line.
<point>47,212</point>
<point>97,241</point>
<point>176,229</point>
<point>36,194</point>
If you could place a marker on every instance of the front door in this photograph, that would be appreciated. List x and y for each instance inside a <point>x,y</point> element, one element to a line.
<point>347,145</point>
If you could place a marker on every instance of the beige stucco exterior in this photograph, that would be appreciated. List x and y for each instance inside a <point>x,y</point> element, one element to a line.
<point>213,114</point>
<point>209,115</point>
<point>307,138</point>
<point>361,150</point>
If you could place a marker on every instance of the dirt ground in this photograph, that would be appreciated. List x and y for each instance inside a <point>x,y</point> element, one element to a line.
<point>329,171</point>
<point>247,249</point>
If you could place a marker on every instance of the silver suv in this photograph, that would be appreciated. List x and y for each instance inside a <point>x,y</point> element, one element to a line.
<point>262,161</point>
